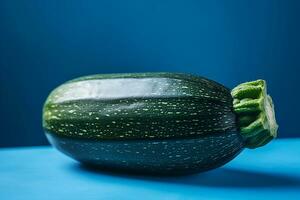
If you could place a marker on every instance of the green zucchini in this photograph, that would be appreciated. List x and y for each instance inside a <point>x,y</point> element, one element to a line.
<point>157,122</point>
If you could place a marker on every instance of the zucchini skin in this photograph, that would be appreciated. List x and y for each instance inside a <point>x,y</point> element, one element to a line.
<point>147,122</point>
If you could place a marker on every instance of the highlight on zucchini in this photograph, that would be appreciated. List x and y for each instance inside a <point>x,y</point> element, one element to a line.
<point>162,123</point>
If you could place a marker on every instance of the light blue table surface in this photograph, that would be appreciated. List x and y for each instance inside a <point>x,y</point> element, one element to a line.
<point>270,172</point>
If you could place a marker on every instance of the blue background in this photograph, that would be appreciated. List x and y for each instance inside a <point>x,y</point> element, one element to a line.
<point>44,43</point>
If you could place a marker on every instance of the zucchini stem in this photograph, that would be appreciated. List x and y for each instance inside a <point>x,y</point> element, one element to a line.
<point>255,113</point>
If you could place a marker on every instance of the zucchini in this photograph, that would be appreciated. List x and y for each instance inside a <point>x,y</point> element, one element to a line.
<point>166,123</point>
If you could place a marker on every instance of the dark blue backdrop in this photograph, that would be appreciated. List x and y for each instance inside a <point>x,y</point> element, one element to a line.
<point>44,43</point>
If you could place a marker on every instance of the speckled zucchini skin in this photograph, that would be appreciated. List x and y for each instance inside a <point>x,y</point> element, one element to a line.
<point>148,122</point>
